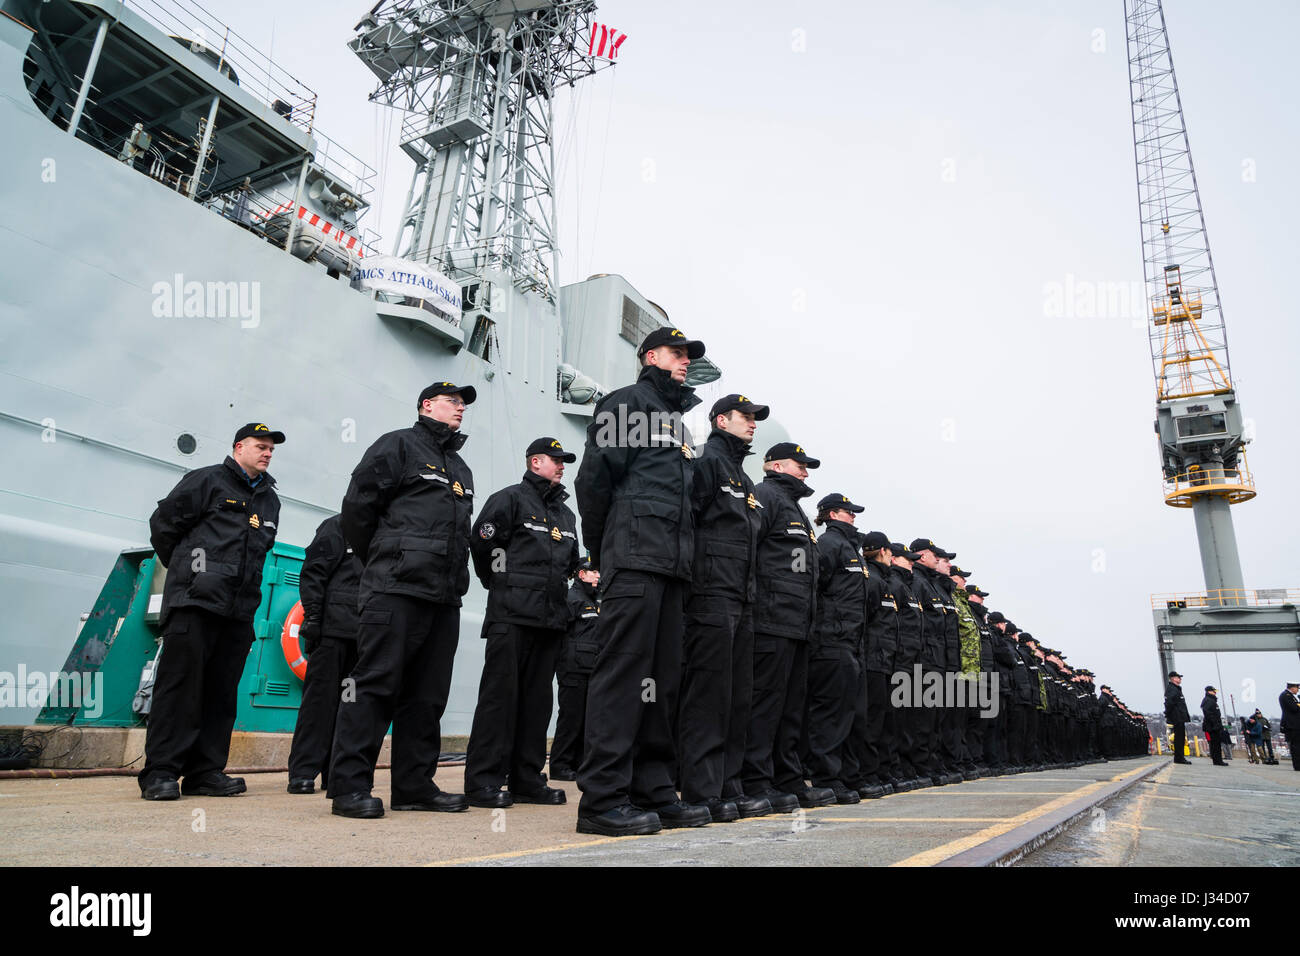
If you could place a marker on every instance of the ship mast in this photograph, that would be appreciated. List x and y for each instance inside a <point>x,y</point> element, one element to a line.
<point>476,80</point>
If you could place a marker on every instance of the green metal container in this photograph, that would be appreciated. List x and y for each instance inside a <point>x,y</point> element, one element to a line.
<point>121,636</point>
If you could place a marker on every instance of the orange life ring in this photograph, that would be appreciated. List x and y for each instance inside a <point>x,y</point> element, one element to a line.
<point>293,655</point>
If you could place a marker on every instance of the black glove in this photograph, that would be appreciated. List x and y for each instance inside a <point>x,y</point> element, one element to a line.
<point>309,637</point>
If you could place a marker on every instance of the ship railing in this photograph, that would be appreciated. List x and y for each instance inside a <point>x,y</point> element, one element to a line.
<point>527,268</point>
<point>1227,597</point>
<point>159,161</point>
<point>256,73</point>
<point>344,165</point>
<point>270,215</point>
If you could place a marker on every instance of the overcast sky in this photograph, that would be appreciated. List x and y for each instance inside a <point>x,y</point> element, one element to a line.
<point>869,210</point>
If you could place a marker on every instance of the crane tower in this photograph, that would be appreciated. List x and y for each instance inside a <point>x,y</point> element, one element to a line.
<point>1199,424</point>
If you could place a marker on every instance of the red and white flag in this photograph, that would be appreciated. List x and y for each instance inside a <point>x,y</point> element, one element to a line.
<point>605,41</point>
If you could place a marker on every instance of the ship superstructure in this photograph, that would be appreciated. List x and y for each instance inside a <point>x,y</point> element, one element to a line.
<point>182,250</point>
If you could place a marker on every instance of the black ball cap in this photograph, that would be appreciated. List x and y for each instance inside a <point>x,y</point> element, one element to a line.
<point>739,403</point>
<point>550,446</point>
<point>667,335</point>
<point>900,551</point>
<point>925,544</point>
<point>956,572</point>
<point>839,503</point>
<point>466,392</point>
<point>875,540</point>
<point>997,617</point>
<point>975,590</point>
<point>1175,674</point>
<point>788,449</point>
<point>258,430</point>
<point>1210,687</point>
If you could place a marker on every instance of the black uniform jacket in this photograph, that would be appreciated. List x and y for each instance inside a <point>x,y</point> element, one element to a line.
<point>1211,719</point>
<point>910,617</point>
<point>1023,685</point>
<point>841,587</point>
<point>1003,658</point>
<point>579,647</point>
<point>328,584</point>
<point>634,481</point>
<point>1033,667</point>
<point>786,565</point>
<point>1290,712</point>
<point>882,619</point>
<point>525,549</point>
<point>212,532</point>
<point>406,514</point>
<point>1175,706</point>
<point>951,626</point>
<point>934,641</point>
<point>727,519</point>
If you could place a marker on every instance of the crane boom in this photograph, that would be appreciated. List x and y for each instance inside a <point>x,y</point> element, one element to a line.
<point>1189,343</point>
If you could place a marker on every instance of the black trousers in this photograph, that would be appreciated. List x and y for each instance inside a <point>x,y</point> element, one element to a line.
<point>883,727</point>
<point>1216,745</point>
<point>1293,742</point>
<point>716,691</point>
<point>507,740</point>
<point>900,727</point>
<point>571,722</point>
<point>973,739</point>
<point>313,734</point>
<point>1180,741</point>
<point>868,754</point>
<point>994,730</point>
<point>922,724</point>
<point>1017,725</point>
<point>195,695</point>
<point>1033,746</point>
<point>776,717</point>
<point>833,679</point>
<point>632,694</point>
<point>405,649</point>
<point>952,732</point>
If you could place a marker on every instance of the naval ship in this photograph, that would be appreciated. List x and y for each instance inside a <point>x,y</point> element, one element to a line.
<point>186,252</point>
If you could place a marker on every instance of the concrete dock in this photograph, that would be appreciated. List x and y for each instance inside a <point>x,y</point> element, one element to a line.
<point>1143,811</point>
<point>1200,815</point>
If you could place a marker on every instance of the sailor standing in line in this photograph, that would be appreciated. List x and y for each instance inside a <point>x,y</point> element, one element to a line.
<point>786,580</point>
<point>718,654</point>
<point>1290,705</point>
<point>406,514</point>
<point>573,667</point>
<point>212,532</point>
<point>913,745</point>
<point>634,498</point>
<point>327,588</point>
<point>870,754</point>
<point>1176,713</point>
<point>525,549</point>
<point>834,669</point>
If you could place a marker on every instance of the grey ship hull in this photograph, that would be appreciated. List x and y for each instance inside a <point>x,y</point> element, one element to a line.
<point>95,388</point>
